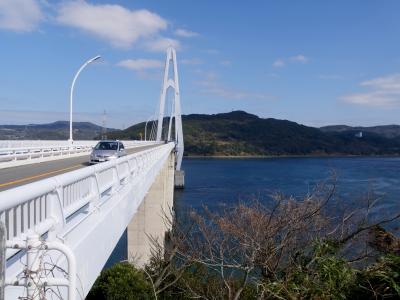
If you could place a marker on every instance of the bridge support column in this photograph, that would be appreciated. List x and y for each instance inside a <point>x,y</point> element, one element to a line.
<point>179,179</point>
<point>149,220</point>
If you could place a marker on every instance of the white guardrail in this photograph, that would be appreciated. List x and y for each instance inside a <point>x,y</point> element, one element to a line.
<point>16,153</point>
<point>41,143</point>
<point>85,211</point>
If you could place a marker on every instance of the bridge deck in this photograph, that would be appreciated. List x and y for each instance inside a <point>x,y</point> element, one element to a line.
<point>80,215</point>
<point>16,176</point>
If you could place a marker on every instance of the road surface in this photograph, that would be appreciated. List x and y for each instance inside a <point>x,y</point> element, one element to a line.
<point>20,175</point>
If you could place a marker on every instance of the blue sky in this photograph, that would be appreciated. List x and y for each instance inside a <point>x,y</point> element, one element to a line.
<point>313,62</point>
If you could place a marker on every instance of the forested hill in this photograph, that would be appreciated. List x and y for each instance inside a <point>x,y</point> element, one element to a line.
<point>58,130</point>
<point>389,131</point>
<point>239,133</point>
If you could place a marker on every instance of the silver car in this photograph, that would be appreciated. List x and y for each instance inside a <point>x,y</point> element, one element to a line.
<point>107,150</point>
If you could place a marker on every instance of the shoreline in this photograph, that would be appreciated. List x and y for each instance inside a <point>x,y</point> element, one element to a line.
<point>292,156</point>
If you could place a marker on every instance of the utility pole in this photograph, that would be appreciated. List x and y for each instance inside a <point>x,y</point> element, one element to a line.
<point>104,123</point>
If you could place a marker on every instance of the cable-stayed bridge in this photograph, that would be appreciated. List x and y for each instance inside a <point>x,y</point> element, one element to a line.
<point>63,218</point>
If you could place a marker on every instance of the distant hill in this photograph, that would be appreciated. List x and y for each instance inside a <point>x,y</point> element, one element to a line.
<point>241,133</point>
<point>389,131</point>
<point>52,131</point>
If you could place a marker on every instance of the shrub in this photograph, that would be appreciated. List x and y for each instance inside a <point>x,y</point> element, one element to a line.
<point>121,282</point>
<point>379,281</point>
<point>290,249</point>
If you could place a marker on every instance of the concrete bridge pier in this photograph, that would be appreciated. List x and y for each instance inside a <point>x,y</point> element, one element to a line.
<point>149,221</point>
<point>179,179</point>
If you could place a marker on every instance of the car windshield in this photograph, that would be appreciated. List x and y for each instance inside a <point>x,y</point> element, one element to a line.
<point>107,146</point>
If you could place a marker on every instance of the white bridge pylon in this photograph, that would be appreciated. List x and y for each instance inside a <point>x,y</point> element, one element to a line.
<point>176,106</point>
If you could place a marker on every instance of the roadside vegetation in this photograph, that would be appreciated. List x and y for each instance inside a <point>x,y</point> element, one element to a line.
<point>316,248</point>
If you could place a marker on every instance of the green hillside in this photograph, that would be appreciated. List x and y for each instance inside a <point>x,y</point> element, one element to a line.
<point>58,130</point>
<point>238,133</point>
<point>389,131</point>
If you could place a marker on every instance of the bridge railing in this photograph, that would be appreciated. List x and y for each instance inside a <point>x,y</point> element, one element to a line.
<point>50,150</point>
<point>41,143</point>
<point>48,143</point>
<point>52,206</point>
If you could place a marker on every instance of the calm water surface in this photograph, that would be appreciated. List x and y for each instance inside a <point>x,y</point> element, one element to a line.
<point>219,182</point>
<point>214,182</point>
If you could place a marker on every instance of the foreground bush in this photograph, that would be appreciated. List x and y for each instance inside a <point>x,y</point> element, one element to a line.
<point>322,276</point>
<point>121,282</point>
<point>291,249</point>
<point>379,281</point>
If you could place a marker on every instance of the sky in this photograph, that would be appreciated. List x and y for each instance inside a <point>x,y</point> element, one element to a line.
<point>313,62</point>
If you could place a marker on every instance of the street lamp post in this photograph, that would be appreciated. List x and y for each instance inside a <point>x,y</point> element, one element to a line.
<point>72,93</point>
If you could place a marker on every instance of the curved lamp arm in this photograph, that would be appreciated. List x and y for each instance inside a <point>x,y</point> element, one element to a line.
<point>72,92</point>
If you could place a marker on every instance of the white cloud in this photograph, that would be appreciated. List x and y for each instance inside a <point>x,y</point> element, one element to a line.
<point>282,62</point>
<point>20,15</point>
<point>185,33</point>
<point>141,64</point>
<point>387,83</point>
<point>113,23</point>
<point>210,85</point>
<point>299,58</point>
<point>377,99</point>
<point>384,92</point>
<point>161,44</point>
<point>279,63</point>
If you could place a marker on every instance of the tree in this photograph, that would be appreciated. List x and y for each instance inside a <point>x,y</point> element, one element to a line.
<point>121,282</point>
<point>313,248</point>
<point>290,249</point>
